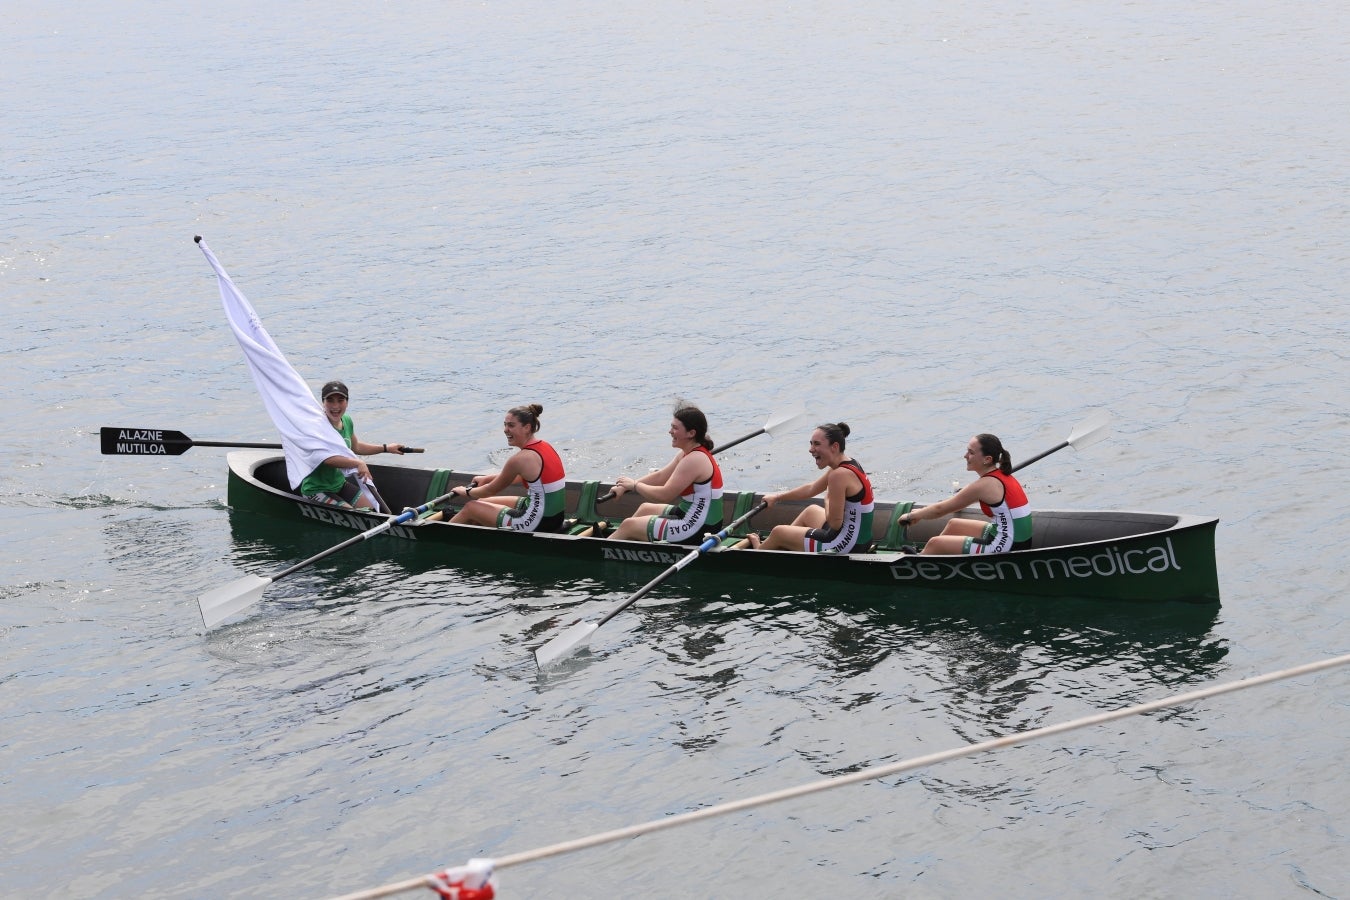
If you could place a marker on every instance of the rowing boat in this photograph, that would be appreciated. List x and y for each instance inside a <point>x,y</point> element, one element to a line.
<point>1116,555</point>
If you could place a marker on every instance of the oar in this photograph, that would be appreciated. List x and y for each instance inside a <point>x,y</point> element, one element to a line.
<point>162,442</point>
<point>1089,431</point>
<point>219,604</point>
<point>776,423</point>
<point>574,638</point>
<point>159,442</point>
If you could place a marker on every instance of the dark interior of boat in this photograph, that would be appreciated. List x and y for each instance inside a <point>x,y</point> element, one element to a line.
<point>404,487</point>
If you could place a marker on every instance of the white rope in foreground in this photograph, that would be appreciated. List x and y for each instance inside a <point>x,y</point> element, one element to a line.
<point>721,809</point>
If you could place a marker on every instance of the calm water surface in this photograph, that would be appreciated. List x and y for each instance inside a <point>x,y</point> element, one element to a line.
<point>924,222</point>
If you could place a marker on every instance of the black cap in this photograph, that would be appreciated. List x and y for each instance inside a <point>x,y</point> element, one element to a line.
<point>334,387</point>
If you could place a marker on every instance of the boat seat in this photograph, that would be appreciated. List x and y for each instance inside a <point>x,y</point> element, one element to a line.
<point>440,479</point>
<point>439,484</point>
<point>895,534</point>
<point>741,505</point>
<point>586,515</point>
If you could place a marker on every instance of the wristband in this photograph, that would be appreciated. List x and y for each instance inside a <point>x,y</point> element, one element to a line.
<point>384,448</point>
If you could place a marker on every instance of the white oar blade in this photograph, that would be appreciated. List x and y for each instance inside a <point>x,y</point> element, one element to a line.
<point>782,420</point>
<point>1091,430</point>
<point>565,644</point>
<point>219,604</point>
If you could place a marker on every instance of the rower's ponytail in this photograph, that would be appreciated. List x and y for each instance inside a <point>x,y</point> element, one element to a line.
<point>992,446</point>
<point>836,433</point>
<point>692,417</point>
<point>527,415</point>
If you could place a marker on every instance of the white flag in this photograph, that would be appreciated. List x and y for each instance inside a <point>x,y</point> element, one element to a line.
<point>307,437</point>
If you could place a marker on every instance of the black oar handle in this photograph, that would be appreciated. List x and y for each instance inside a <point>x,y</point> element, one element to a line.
<point>740,440</point>
<point>1026,462</point>
<point>191,443</point>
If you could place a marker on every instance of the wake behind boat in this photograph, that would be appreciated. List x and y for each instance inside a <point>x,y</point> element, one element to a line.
<point>1115,555</point>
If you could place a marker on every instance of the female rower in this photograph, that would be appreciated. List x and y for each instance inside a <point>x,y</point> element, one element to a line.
<point>1000,497</point>
<point>683,497</point>
<point>845,521</point>
<point>535,464</point>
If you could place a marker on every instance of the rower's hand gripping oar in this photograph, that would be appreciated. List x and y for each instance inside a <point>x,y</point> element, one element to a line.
<point>219,604</point>
<point>1089,431</point>
<point>163,442</point>
<point>774,425</point>
<point>576,637</point>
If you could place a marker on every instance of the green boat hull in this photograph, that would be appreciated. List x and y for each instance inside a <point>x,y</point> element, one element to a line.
<point>1108,555</point>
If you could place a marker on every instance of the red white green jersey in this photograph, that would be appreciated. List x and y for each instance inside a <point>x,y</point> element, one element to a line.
<point>699,509</point>
<point>856,528</point>
<point>544,496</point>
<point>1012,517</point>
